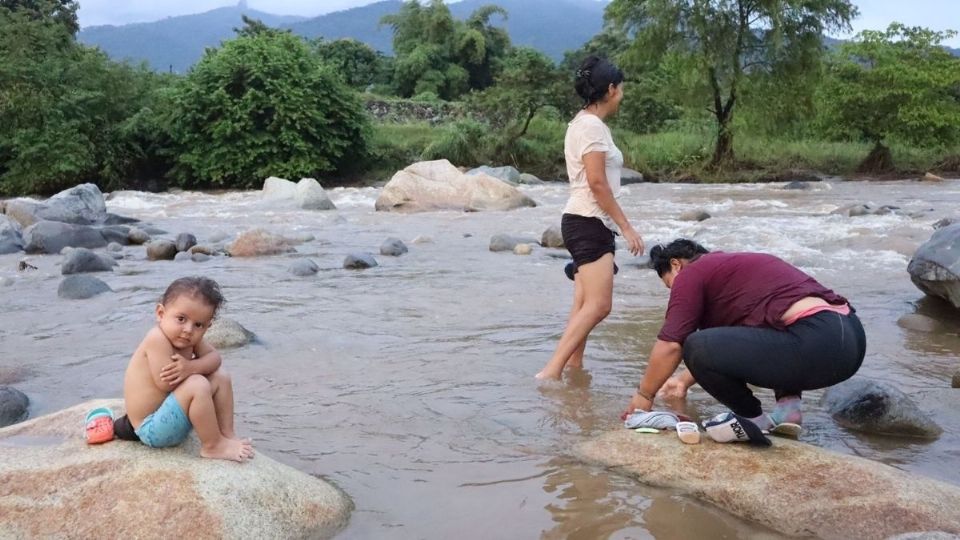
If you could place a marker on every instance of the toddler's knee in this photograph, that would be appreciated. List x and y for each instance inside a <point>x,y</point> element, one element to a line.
<point>220,376</point>
<point>197,384</point>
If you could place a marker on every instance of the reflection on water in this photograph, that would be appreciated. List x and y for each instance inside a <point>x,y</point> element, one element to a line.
<point>411,384</point>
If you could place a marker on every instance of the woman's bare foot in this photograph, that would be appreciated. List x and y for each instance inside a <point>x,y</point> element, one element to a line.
<point>545,375</point>
<point>229,449</point>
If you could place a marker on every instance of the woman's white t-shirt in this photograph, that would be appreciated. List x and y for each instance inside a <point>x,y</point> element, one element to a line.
<point>587,133</point>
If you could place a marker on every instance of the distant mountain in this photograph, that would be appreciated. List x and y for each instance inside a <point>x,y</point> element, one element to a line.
<point>174,43</point>
<point>551,26</point>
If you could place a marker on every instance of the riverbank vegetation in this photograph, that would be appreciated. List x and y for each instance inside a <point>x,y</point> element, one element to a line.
<point>742,95</point>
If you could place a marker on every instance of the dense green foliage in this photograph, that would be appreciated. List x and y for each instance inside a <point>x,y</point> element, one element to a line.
<point>439,55</point>
<point>724,42</point>
<point>263,105</point>
<point>356,63</point>
<point>267,102</point>
<point>67,113</point>
<point>899,84</point>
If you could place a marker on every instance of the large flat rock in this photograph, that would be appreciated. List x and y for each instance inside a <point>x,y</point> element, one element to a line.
<point>793,488</point>
<point>53,485</point>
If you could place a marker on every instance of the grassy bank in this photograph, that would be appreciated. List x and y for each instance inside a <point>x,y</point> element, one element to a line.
<point>667,156</point>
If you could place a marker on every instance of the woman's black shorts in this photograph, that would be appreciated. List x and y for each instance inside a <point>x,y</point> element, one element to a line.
<point>587,238</point>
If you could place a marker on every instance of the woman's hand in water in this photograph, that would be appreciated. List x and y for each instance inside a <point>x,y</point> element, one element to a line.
<point>175,372</point>
<point>674,388</point>
<point>633,239</point>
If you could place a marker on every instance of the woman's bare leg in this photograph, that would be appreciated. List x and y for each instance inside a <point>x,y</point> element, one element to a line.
<point>597,282</point>
<point>576,359</point>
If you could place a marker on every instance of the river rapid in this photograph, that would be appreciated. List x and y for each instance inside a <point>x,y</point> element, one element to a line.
<point>410,385</point>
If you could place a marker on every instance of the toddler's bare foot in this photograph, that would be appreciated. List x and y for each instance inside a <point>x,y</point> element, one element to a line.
<point>229,449</point>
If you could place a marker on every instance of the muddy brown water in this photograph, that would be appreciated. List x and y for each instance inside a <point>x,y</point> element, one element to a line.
<point>410,385</point>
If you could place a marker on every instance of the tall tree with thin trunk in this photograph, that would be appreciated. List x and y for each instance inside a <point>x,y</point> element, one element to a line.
<point>724,41</point>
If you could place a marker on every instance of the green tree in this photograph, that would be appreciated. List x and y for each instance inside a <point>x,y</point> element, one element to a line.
<point>725,41</point>
<point>529,82</point>
<point>357,63</point>
<point>436,54</point>
<point>896,83</point>
<point>62,12</point>
<point>66,111</point>
<point>263,105</point>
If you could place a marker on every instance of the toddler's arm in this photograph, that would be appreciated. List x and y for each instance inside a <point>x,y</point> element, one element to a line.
<point>206,362</point>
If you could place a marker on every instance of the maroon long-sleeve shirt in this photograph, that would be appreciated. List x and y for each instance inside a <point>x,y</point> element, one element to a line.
<point>736,289</point>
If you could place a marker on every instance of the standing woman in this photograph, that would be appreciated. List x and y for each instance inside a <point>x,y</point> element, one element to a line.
<point>587,225</point>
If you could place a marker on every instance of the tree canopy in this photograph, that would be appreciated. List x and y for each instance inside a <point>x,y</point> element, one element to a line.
<point>438,55</point>
<point>263,104</point>
<point>895,83</point>
<point>724,41</point>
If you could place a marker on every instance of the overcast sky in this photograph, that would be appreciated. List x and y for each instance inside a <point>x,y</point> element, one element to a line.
<point>874,14</point>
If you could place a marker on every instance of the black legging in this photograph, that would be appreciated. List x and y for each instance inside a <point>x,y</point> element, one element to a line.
<point>815,352</point>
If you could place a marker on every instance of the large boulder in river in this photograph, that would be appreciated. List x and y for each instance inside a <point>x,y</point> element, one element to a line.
<point>307,193</point>
<point>57,486</point>
<point>935,267</point>
<point>80,205</point>
<point>81,287</point>
<point>258,243</point>
<point>13,405</point>
<point>53,236</point>
<point>876,407</point>
<point>81,260</point>
<point>506,173</point>
<point>793,488</point>
<point>11,239</point>
<point>227,333</point>
<point>438,185</point>
<point>311,196</point>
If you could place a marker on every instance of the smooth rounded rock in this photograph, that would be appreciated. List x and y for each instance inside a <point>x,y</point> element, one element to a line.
<point>552,237</point>
<point>81,287</point>
<point>227,333</point>
<point>506,242</point>
<point>695,215</point>
<point>57,486</point>
<point>205,250</point>
<point>393,247</point>
<point>81,260</point>
<point>199,257</point>
<point>161,250</point>
<point>304,268</point>
<point>183,256</point>
<point>794,488</point>
<point>257,243</point>
<point>119,234</point>
<point>798,185</point>
<point>137,236</point>
<point>935,267</point>
<point>13,405</point>
<point>359,261</point>
<point>113,246</point>
<point>876,407</point>
<point>438,185</point>
<point>53,236</point>
<point>522,249</point>
<point>310,195</point>
<point>185,241</point>
<point>422,240</point>
<point>217,236</point>
<point>11,237</point>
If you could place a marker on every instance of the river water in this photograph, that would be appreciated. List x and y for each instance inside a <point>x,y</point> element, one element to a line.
<point>411,386</point>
